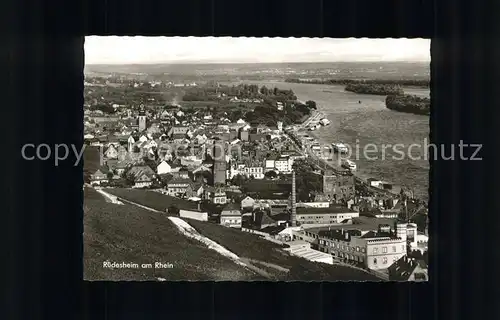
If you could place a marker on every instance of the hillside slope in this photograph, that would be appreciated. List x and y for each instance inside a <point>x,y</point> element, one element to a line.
<point>126,233</point>
<point>255,251</point>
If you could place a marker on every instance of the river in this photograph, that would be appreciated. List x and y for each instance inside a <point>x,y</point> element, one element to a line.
<point>365,124</point>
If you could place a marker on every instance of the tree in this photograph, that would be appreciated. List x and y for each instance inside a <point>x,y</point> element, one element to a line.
<point>264,91</point>
<point>238,180</point>
<point>311,104</point>
<point>165,178</point>
<point>109,175</point>
<point>173,210</point>
<point>271,174</point>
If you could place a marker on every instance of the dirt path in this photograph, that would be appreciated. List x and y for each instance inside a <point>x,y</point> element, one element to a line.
<point>190,232</point>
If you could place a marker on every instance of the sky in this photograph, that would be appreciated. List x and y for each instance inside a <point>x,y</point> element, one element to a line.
<point>149,50</point>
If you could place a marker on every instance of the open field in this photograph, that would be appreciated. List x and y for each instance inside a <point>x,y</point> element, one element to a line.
<point>198,104</point>
<point>126,233</point>
<point>152,199</point>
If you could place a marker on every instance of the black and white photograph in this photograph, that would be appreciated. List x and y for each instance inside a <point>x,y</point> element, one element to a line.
<point>256,159</point>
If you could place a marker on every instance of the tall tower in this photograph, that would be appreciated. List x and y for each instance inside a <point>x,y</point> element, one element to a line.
<point>219,166</point>
<point>294,204</point>
<point>280,126</point>
<point>401,231</point>
<point>142,121</point>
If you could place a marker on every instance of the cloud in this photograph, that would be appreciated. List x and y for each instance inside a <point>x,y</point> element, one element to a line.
<point>123,50</point>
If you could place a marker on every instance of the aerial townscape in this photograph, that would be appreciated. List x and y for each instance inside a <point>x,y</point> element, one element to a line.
<point>198,176</point>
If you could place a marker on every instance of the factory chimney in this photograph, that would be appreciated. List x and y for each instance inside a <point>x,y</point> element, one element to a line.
<point>294,203</point>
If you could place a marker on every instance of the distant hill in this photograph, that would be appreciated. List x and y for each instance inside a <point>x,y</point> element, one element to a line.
<point>339,69</point>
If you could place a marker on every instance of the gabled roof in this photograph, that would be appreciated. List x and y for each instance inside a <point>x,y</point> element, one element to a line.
<point>402,269</point>
<point>180,181</point>
<point>195,185</point>
<point>230,207</point>
<point>262,218</point>
<point>101,170</point>
<point>138,171</point>
<point>123,164</point>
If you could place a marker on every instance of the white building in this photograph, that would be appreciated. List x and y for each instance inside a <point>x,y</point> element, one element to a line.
<point>318,204</point>
<point>163,168</point>
<point>281,164</point>
<point>231,216</point>
<point>376,250</point>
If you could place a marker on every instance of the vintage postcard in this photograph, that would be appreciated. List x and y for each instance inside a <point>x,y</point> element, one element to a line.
<point>247,159</point>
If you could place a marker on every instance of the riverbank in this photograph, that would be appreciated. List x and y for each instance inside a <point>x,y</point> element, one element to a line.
<point>370,123</point>
<point>334,165</point>
<point>421,83</point>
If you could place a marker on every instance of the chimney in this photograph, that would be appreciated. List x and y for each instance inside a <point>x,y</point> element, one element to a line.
<point>294,204</point>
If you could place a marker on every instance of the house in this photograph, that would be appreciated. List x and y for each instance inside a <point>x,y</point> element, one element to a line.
<point>408,269</point>
<point>122,153</point>
<point>122,166</point>
<point>179,172</point>
<point>191,161</point>
<point>254,169</point>
<point>247,203</point>
<point>195,190</point>
<point>262,220</point>
<point>283,164</point>
<point>231,216</point>
<point>179,131</point>
<point>111,152</point>
<point>373,182</point>
<point>243,135</point>
<point>178,187</point>
<point>218,196</point>
<point>141,175</point>
<point>99,176</point>
<point>202,168</point>
<point>163,168</point>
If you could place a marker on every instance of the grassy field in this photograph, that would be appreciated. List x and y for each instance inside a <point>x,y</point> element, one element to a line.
<point>126,233</point>
<point>198,104</point>
<point>252,247</point>
<point>152,199</point>
<point>260,253</point>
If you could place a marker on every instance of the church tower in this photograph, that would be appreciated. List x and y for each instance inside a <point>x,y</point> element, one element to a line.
<point>219,166</point>
<point>142,121</point>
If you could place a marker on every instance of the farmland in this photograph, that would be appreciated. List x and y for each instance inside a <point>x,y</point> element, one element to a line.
<point>126,233</point>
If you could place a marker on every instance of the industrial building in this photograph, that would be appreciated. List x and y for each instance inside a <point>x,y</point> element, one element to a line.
<point>315,217</point>
<point>367,248</point>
